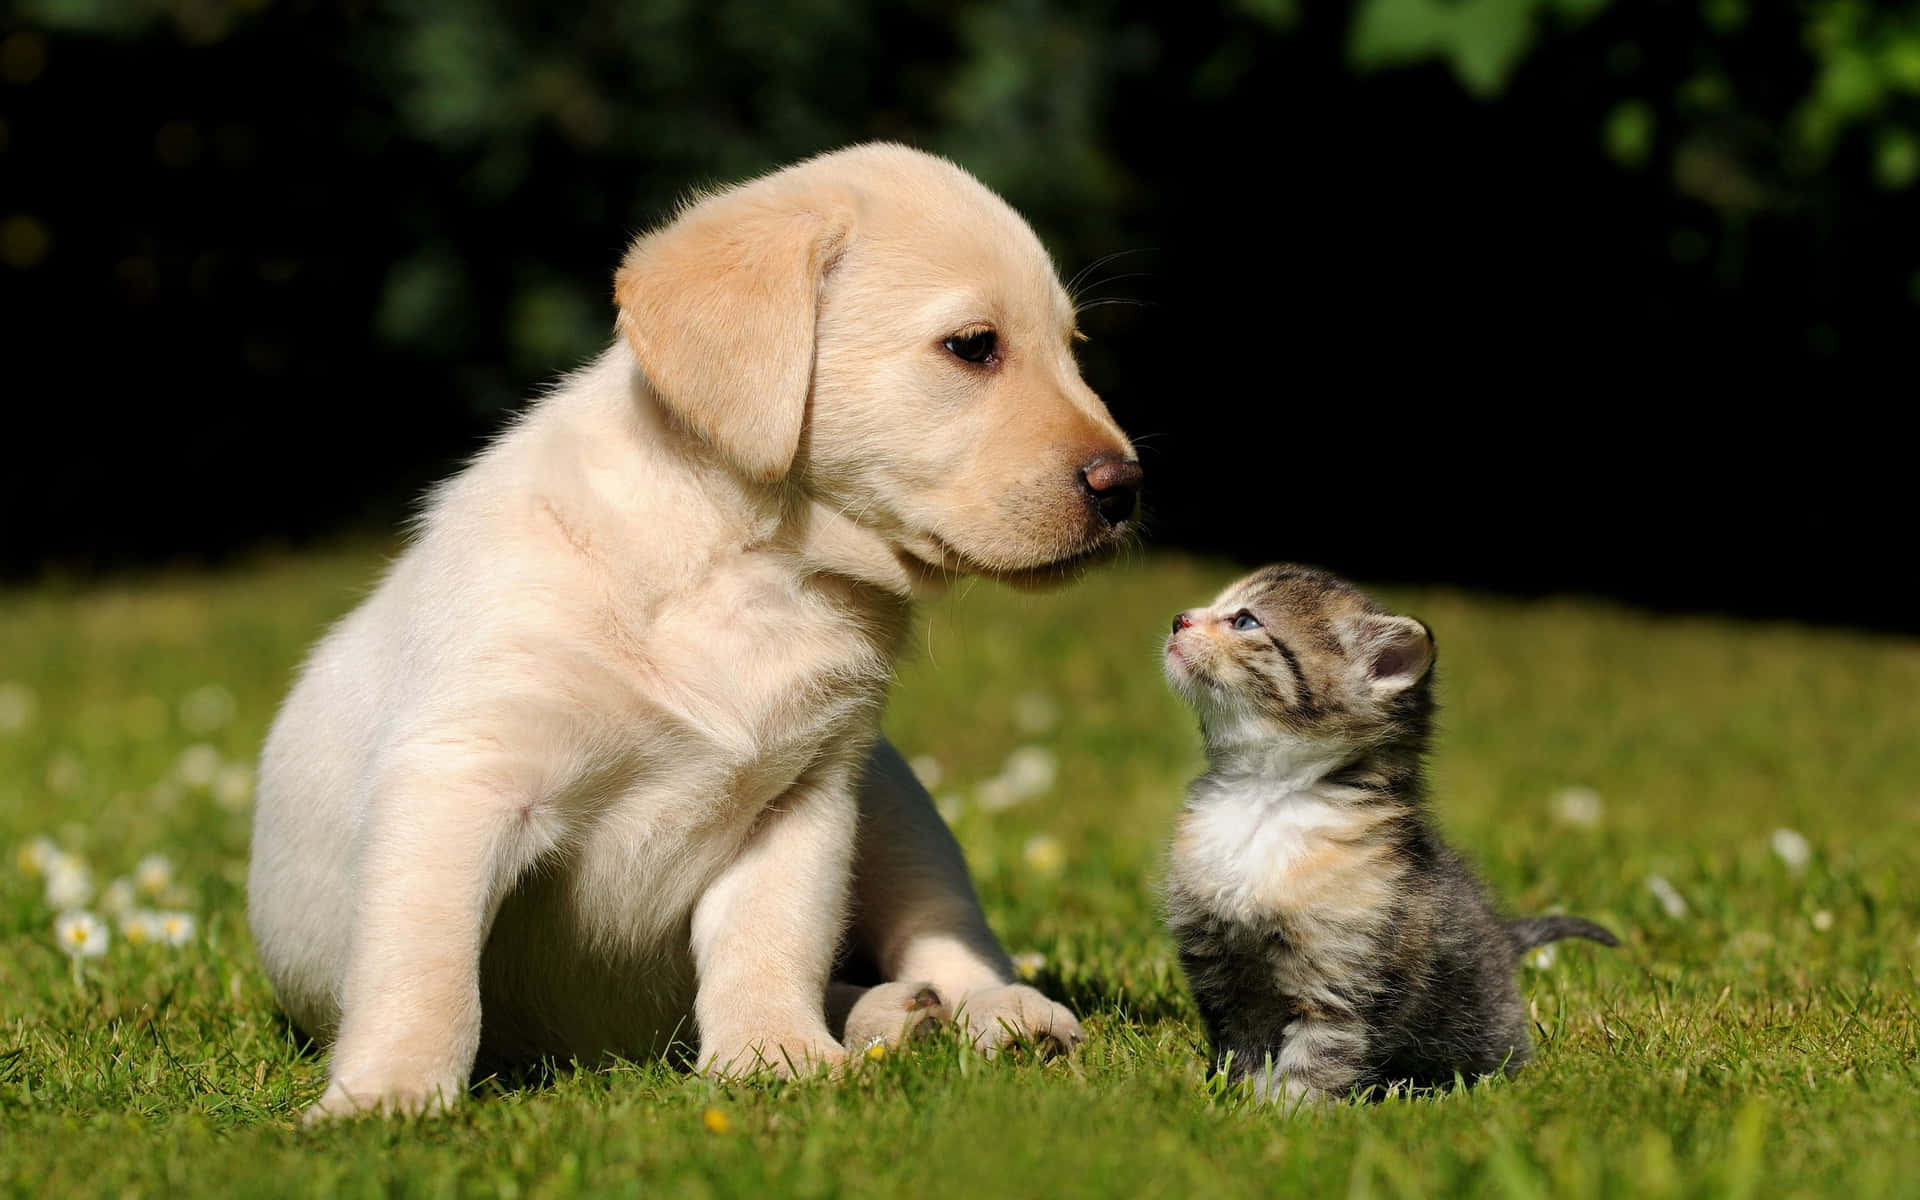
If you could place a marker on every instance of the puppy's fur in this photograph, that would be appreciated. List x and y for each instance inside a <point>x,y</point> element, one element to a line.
<point>598,761</point>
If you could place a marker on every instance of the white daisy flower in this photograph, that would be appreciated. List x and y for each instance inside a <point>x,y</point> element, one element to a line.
<point>1668,895</point>
<point>206,708</point>
<point>175,928</point>
<point>118,897</point>
<point>17,706</point>
<point>1031,771</point>
<point>81,934</point>
<point>198,764</point>
<point>140,926</point>
<point>36,855</point>
<point>1029,963</point>
<point>69,883</point>
<point>233,786</point>
<point>926,768</point>
<point>1791,848</point>
<point>1035,713</point>
<point>1540,958</point>
<point>1045,855</point>
<point>1822,921</point>
<point>1578,806</point>
<point>996,794</point>
<point>153,874</point>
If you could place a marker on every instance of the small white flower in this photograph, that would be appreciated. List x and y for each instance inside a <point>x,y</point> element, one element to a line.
<point>36,855</point>
<point>1045,855</point>
<point>118,897</point>
<point>1823,920</point>
<point>198,764</point>
<point>17,706</point>
<point>1031,771</point>
<point>233,786</point>
<point>174,928</point>
<point>1791,848</point>
<point>1540,958</point>
<point>153,874</point>
<point>206,709</point>
<point>1578,806</point>
<point>1669,896</point>
<point>81,934</point>
<point>996,794</point>
<point>65,774</point>
<point>140,926</point>
<point>1035,713</point>
<point>950,806</point>
<point>926,768</point>
<point>69,883</point>
<point>1029,963</point>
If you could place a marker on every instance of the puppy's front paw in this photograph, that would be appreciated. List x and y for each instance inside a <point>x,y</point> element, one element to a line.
<point>390,1097</point>
<point>892,1013</point>
<point>786,1056</point>
<point>1014,1014</point>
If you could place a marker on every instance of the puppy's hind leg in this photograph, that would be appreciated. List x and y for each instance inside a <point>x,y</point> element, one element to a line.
<point>446,838</point>
<point>917,918</point>
<point>884,1015</point>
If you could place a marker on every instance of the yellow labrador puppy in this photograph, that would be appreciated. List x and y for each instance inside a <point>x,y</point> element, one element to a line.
<point>598,762</point>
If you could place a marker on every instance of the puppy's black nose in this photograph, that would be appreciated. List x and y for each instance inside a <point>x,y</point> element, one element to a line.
<point>1113,486</point>
<point>1181,621</point>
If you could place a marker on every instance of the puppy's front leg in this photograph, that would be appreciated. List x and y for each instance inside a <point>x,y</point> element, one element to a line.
<point>443,846</point>
<point>917,916</point>
<point>765,931</point>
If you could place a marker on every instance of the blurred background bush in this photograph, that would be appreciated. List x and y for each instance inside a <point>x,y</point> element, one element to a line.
<point>1527,294</point>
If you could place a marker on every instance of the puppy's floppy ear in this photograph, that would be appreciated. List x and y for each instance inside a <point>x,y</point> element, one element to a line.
<point>720,306</point>
<point>1395,652</point>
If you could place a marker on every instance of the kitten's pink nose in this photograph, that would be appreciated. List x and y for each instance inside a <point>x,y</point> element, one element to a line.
<point>1182,621</point>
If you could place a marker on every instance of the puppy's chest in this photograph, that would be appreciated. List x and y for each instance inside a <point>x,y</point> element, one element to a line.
<point>755,680</point>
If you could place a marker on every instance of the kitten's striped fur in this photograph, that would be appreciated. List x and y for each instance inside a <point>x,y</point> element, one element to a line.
<point>1331,939</point>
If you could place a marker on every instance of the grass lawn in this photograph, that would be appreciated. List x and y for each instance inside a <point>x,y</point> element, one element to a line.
<point>1754,1035</point>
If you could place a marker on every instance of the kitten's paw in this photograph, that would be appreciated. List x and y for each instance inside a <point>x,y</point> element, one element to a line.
<point>1286,1092</point>
<point>783,1056</point>
<point>892,1013</point>
<point>1015,1015</point>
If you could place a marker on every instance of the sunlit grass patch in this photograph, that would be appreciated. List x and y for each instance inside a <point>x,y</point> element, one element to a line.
<point>1756,1037</point>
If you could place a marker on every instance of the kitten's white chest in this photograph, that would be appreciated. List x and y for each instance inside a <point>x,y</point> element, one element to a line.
<point>1237,851</point>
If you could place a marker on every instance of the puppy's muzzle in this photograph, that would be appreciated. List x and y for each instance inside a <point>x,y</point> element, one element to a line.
<point>1112,486</point>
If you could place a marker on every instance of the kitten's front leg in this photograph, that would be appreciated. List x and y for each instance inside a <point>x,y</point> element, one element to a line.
<point>765,930</point>
<point>1321,1058</point>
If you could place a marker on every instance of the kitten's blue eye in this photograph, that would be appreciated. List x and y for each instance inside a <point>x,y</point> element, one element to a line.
<point>1245,620</point>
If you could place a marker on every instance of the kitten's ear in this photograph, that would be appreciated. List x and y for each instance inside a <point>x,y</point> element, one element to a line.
<point>1397,652</point>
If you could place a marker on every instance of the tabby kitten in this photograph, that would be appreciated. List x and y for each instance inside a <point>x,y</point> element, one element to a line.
<point>1332,940</point>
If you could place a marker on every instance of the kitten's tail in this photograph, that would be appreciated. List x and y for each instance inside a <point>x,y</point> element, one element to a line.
<point>1527,932</point>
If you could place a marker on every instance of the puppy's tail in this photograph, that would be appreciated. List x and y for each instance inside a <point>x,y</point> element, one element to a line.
<point>1527,932</point>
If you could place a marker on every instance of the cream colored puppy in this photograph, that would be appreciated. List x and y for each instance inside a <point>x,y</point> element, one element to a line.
<point>598,763</point>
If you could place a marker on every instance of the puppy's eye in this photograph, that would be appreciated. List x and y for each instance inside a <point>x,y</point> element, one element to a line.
<point>1245,620</point>
<point>974,346</point>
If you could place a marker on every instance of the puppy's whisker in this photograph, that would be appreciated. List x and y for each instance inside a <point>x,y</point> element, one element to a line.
<point>1080,276</point>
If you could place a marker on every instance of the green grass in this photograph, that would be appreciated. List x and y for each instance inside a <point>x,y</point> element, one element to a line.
<point>1763,1043</point>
